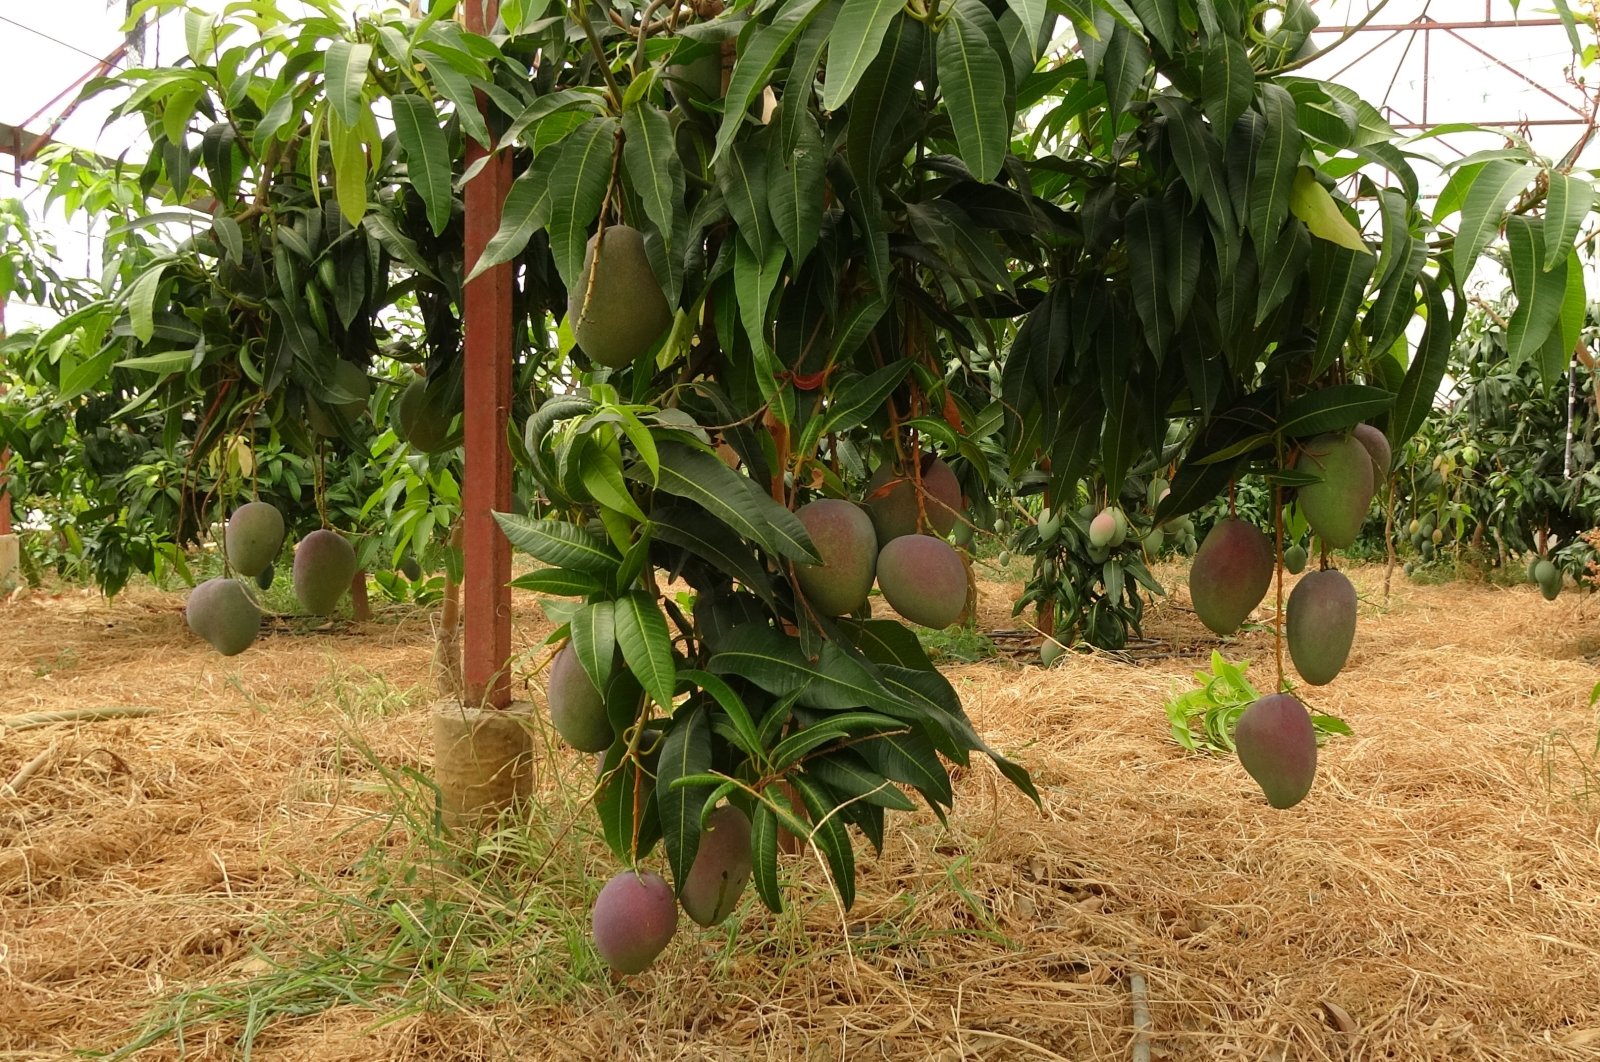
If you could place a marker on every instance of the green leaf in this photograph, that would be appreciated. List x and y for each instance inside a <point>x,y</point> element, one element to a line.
<point>577,98</point>
<point>799,86</point>
<point>828,833</point>
<point>627,806</point>
<point>601,472</point>
<point>559,543</point>
<point>853,45</point>
<point>1539,293</point>
<point>791,749</point>
<point>1160,20</point>
<point>764,854</point>
<point>1199,157</point>
<point>647,645</point>
<point>1126,64</point>
<point>457,88</point>
<point>525,212</point>
<point>1566,205</point>
<point>846,772</point>
<point>857,400</point>
<point>577,188</point>
<point>142,300</point>
<point>594,639</point>
<point>738,714</point>
<point>1486,200</point>
<point>349,169</point>
<point>558,581</point>
<point>1276,164</point>
<point>1281,268</point>
<point>797,198</point>
<point>1311,203</point>
<point>160,364</point>
<point>758,60</point>
<point>685,751</point>
<point>656,172</point>
<point>1227,80</point>
<point>776,663</point>
<point>736,501</point>
<point>755,279</point>
<point>344,67</point>
<point>742,176</point>
<point>416,125</point>
<point>973,82</point>
<point>1144,234</point>
<point>1338,284</point>
<point>1333,409</point>
<point>1427,369</point>
<point>911,760</point>
<point>688,527</point>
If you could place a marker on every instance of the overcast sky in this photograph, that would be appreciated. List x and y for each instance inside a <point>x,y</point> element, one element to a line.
<point>44,48</point>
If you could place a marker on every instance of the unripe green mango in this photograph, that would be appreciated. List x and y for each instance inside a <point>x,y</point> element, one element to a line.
<point>1337,504</point>
<point>624,311</point>
<point>324,564</point>
<point>220,611</point>
<point>577,707</point>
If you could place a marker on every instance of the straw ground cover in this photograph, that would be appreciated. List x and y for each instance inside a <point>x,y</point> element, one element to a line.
<point>252,865</point>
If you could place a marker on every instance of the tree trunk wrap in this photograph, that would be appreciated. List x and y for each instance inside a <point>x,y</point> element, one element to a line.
<point>482,760</point>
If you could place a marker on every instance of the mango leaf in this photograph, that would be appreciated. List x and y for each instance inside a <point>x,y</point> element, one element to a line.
<point>525,212</point>
<point>1311,203</point>
<point>685,751</point>
<point>416,125</point>
<point>742,176</point>
<point>911,760</point>
<point>1540,294</point>
<point>1144,234</point>
<point>844,771</point>
<point>861,397</point>
<point>559,581</point>
<point>1495,184</point>
<point>647,645</point>
<point>142,300</point>
<point>764,854</point>
<point>834,727</point>
<point>559,543</point>
<point>344,67</point>
<point>1199,157</point>
<point>1566,205</point>
<point>1276,164</point>
<point>828,833</point>
<point>656,173</point>
<point>853,45</point>
<point>577,187</point>
<point>1281,267</point>
<point>759,57</point>
<point>1333,409</point>
<point>796,199</point>
<point>688,528</point>
<point>1227,80</point>
<point>799,87</point>
<point>736,501</point>
<point>1338,284</point>
<point>627,806</point>
<point>1427,369</point>
<point>974,85</point>
<point>1127,62</point>
<point>1160,19</point>
<point>593,628</point>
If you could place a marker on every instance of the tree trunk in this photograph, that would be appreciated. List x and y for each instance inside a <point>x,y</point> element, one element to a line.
<point>360,607</point>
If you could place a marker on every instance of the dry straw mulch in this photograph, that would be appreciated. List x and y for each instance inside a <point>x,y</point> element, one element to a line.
<point>1436,897</point>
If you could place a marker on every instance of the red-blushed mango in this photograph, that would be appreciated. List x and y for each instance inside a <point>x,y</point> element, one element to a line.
<point>324,564</point>
<point>1377,445</point>
<point>1277,745</point>
<point>1336,505</point>
<point>848,546</point>
<point>891,499</point>
<point>635,917</point>
<point>1230,574</point>
<point>1320,625</point>
<point>577,708</point>
<point>624,311</point>
<point>219,611</point>
<point>721,867</point>
<point>923,579</point>
<point>254,537</point>
<point>1102,529</point>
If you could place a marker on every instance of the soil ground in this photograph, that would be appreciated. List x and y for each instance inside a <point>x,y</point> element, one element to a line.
<point>231,869</point>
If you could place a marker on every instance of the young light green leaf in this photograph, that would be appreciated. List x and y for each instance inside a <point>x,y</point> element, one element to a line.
<point>602,478</point>
<point>974,85</point>
<point>1311,203</point>
<point>142,300</point>
<point>416,125</point>
<point>857,35</point>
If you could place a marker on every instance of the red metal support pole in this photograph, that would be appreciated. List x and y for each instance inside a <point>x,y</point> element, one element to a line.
<point>486,597</point>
